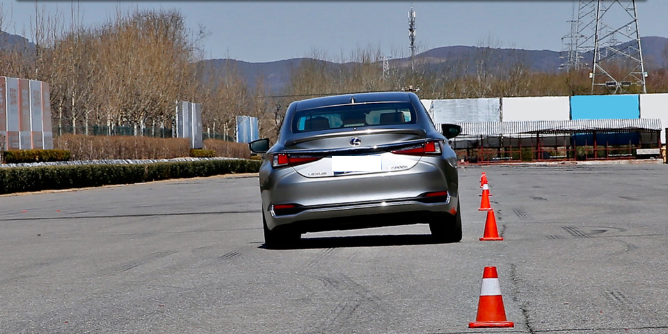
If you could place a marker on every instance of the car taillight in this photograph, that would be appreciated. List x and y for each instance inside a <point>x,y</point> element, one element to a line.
<point>285,209</point>
<point>286,159</point>
<point>435,194</point>
<point>430,147</point>
<point>435,197</point>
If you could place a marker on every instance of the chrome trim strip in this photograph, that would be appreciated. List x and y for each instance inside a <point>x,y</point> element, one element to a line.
<point>350,206</point>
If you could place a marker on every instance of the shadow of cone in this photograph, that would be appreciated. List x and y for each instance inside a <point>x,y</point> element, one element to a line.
<point>484,202</point>
<point>491,231</point>
<point>491,312</point>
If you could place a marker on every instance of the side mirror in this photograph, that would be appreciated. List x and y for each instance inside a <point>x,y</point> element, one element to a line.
<point>451,130</point>
<point>259,146</point>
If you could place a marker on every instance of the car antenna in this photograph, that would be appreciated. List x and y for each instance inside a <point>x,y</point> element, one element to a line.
<point>352,99</point>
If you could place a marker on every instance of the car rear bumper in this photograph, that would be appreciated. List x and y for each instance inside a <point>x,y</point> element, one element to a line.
<point>363,215</point>
<point>358,201</point>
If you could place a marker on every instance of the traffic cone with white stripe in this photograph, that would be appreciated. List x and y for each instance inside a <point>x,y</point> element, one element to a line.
<point>491,231</point>
<point>485,189</point>
<point>491,312</point>
<point>484,202</point>
<point>483,179</point>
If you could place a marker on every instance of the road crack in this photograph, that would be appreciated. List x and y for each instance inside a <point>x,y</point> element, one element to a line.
<point>524,306</point>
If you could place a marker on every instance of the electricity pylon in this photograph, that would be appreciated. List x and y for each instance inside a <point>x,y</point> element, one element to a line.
<point>617,64</point>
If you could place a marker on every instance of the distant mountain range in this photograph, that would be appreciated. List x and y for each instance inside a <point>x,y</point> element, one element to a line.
<point>9,41</point>
<point>276,74</point>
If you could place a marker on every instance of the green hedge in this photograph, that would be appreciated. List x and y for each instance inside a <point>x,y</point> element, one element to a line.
<point>201,153</point>
<point>22,156</point>
<point>21,179</point>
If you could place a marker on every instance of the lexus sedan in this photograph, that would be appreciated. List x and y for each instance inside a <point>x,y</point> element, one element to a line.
<point>358,161</point>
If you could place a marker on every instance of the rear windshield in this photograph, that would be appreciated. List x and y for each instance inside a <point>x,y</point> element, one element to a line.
<point>353,116</point>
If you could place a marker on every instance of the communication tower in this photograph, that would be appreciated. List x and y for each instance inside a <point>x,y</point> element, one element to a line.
<point>617,63</point>
<point>411,34</point>
<point>386,66</point>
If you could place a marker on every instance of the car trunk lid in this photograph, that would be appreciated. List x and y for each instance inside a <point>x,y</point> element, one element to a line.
<point>356,152</point>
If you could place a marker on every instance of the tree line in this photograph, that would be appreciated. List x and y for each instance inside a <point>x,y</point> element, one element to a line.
<point>130,71</point>
<point>127,72</point>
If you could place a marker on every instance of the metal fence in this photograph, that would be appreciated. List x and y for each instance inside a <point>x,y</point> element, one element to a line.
<point>566,153</point>
<point>533,154</point>
<point>103,130</point>
<point>155,132</point>
<point>220,136</point>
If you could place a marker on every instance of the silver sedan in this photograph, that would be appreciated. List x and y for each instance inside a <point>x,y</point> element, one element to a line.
<point>358,161</point>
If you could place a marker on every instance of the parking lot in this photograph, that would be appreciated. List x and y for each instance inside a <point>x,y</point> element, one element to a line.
<point>584,251</point>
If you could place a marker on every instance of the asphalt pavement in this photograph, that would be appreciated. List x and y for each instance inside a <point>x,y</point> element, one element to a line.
<point>584,251</point>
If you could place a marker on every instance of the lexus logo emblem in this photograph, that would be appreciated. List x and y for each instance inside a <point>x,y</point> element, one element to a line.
<point>355,141</point>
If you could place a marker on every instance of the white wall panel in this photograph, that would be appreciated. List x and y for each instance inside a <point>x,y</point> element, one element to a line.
<point>427,106</point>
<point>3,115</point>
<point>196,125</point>
<point>545,108</point>
<point>25,137</point>
<point>36,116</point>
<point>655,106</point>
<point>47,131</point>
<point>426,103</point>
<point>247,129</point>
<point>183,119</point>
<point>467,110</point>
<point>12,103</point>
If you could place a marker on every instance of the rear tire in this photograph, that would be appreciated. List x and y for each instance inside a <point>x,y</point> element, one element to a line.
<point>279,239</point>
<point>449,230</point>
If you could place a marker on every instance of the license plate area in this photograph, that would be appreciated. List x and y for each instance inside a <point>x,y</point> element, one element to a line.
<point>356,164</point>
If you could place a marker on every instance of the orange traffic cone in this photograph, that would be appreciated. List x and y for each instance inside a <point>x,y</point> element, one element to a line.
<point>491,312</point>
<point>491,232</point>
<point>484,202</point>
<point>483,179</point>
<point>485,189</point>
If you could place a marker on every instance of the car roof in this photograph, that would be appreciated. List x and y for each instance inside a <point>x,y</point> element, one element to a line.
<point>348,98</point>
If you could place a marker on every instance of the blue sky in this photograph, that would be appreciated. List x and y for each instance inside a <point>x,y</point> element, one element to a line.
<point>267,31</point>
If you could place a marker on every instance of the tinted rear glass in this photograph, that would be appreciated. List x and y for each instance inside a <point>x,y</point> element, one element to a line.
<point>353,116</point>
